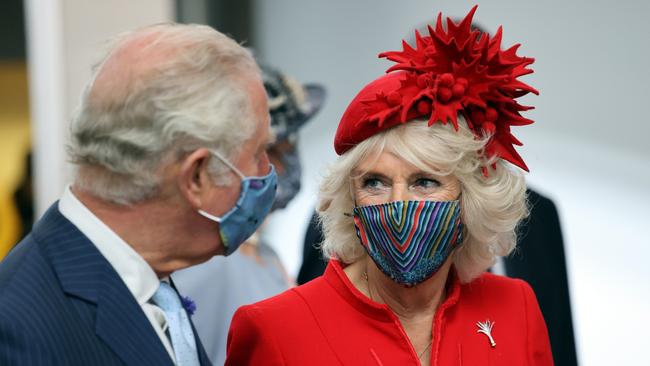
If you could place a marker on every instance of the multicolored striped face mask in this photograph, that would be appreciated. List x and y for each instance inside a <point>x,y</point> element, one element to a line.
<point>409,240</point>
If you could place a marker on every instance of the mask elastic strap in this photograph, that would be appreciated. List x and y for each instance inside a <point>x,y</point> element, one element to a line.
<point>228,164</point>
<point>209,216</point>
<point>350,214</point>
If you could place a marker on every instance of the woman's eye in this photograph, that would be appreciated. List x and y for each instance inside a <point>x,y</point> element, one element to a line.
<point>371,183</point>
<point>426,183</point>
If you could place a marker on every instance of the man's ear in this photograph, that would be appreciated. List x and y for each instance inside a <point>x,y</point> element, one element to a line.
<point>193,178</point>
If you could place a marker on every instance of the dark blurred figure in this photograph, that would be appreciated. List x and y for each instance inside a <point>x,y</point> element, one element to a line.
<point>313,263</point>
<point>24,199</point>
<point>540,261</point>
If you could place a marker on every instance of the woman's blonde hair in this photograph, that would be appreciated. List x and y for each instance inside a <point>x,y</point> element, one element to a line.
<point>491,207</point>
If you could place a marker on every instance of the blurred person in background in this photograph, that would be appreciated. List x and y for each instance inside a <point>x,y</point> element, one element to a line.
<point>254,272</point>
<point>418,206</point>
<point>169,144</point>
<point>15,139</point>
<point>539,259</point>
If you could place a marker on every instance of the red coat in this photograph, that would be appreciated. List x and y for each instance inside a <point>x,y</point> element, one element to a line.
<point>329,322</point>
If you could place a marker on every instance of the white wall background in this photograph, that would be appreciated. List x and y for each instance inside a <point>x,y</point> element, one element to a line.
<point>64,38</point>
<point>588,149</point>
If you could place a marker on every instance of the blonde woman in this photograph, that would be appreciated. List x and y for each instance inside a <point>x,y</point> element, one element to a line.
<point>418,205</point>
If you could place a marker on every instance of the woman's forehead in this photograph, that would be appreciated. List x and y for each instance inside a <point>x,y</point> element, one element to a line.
<point>391,163</point>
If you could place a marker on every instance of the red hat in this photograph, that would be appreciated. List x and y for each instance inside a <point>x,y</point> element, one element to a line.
<point>459,70</point>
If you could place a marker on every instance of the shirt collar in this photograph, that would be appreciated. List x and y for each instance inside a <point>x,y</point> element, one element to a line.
<point>134,271</point>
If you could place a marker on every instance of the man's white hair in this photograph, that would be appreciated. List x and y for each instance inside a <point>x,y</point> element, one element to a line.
<point>491,207</point>
<point>177,89</point>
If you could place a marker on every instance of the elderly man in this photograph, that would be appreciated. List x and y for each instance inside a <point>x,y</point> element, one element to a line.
<point>255,271</point>
<point>169,142</point>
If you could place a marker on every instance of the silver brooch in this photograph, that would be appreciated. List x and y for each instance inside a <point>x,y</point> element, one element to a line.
<point>486,328</point>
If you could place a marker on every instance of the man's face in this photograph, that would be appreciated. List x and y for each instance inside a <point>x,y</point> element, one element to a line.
<point>252,159</point>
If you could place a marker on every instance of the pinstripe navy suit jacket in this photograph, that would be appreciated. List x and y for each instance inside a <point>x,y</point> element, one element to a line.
<point>61,303</point>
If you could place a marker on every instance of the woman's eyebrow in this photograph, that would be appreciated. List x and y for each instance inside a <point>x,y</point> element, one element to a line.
<point>422,173</point>
<point>369,173</point>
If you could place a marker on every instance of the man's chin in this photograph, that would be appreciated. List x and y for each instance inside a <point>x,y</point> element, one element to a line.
<point>219,250</point>
<point>198,258</point>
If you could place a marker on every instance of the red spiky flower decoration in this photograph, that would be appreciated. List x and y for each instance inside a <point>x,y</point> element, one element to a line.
<point>452,71</point>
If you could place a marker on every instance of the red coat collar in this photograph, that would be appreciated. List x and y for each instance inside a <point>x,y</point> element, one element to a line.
<point>337,278</point>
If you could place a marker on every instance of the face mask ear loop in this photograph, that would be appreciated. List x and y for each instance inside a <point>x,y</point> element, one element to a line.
<point>228,164</point>
<point>209,216</point>
<point>237,172</point>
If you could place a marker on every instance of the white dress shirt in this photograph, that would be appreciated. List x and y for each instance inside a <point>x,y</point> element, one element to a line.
<point>134,271</point>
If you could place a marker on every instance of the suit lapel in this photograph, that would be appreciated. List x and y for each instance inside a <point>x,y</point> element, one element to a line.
<point>122,324</point>
<point>84,273</point>
<point>203,356</point>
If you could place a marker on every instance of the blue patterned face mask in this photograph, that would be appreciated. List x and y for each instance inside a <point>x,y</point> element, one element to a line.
<point>409,240</point>
<point>254,203</point>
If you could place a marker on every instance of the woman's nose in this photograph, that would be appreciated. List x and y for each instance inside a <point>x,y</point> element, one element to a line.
<point>400,192</point>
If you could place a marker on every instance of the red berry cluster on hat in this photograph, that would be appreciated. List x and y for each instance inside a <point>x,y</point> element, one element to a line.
<point>452,71</point>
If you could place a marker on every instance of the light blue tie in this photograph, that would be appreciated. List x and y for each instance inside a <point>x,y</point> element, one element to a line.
<point>178,324</point>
